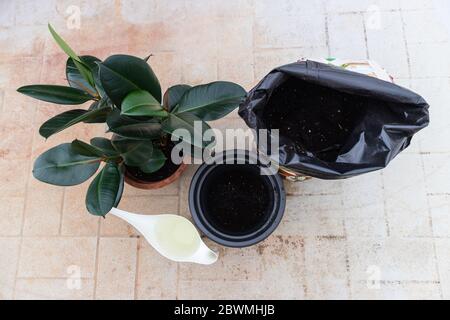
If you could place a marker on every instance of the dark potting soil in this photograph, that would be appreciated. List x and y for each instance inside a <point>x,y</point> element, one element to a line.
<point>166,170</point>
<point>237,199</point>
<point>318,120</point>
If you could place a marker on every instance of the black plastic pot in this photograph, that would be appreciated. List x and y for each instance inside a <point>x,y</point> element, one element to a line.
<point>204,214</point>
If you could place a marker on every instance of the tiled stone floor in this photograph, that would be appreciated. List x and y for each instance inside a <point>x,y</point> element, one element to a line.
<point>336,237</point>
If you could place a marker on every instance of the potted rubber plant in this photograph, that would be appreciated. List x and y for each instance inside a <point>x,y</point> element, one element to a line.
<point>125,94</point>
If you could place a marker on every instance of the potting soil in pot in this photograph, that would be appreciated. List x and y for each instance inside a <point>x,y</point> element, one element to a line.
<point>237,199</point>
<point>318,120</point>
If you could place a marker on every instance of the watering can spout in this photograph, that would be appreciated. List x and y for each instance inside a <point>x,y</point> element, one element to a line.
<point>204,255</point>
<point>174,237</point>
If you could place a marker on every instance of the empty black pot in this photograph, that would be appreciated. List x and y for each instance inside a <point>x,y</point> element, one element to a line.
<point>232,203</point>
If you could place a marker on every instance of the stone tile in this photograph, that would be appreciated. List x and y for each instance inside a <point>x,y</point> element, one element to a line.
<point>283,259</point>
<point>280,258</point>
<point>405,197</point>
<point>225,290</point>
<point>24,71</point>
<point>312,216</point>
<point>113,226</point>
<point>9,256</point>
<point>442,249</point>
<point>326,268</point>
<point>76,220</point>
<point>54,289</point>
<point>233,265</point>
<point>234,8</point>
<point>235,51</point>
<point>185,182</point>
<point>397,291</point>
<point>288,31</point>
<point>138,12</point>
<point>365,227</point>
<point>2,96</point>
<point>34,13</point>
<point>157,276</point>
<point>60,255</point>
<point>21,44</point>
<point>16,134</point>
<point>14,174</point>
<point>440,214</point>
<point>395,259</point>
<point>268,59</point>
<point>428,30</point>
<point>348,6</point>
<point>353,45</point>
<point>116,274</point>
<point>170,190</point>
<point>43,209</point>
<point>392,54</point>
<point>267,8</point>
<point>416,4</point>
<point>11,215</point>
<point>429,59</point>
<point>313,187</point>
<point>436,93</point>
<point>437,171</point>
<point>54,69</point>
<point>7,10</point>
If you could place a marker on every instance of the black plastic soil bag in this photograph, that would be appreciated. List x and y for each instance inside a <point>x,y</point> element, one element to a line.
<point>334,123</point>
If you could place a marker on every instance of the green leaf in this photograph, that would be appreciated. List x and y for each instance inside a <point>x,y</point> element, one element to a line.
<point>155,163</point>
<point>79,63</point>
<point>211,101</point>
<point>105,145</point>
<point>103,191</point>
<point>77,80</point>
<point>56,94</point>
<point>121,186</point>
<point>133,128</point>
<point>173,95</point>
<point>142,103</point>
<point>122,74</point>
<point>133,152</point>
<point>63,167</point>
<point>86,149</point>
<point>69,118</point>
<point>63,45</point>
<point>194,128</point>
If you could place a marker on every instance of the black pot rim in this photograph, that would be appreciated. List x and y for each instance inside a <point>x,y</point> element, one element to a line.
<point>236,241</point>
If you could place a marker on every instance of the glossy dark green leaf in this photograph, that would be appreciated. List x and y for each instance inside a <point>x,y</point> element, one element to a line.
<point>76,79</point>
<point>211,101</point>
<point>103,191</point>
<point>142,103</point>
<point>86,149</point>
<point>173,95</point>
<point>186,127</point>
<point>105,145</point>
<point>155,163</point>
<point>82,67</point>
<point>121,185</point>
<point>56,94</point>
<point>133,128</point>
<point>101,117</point>
<point>123,74</point>
<point>133,152</point>
<point>69,118</point>
<point>63,167</point>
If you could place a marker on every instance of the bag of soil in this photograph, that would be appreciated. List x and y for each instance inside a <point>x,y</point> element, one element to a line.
<point>334,123</point>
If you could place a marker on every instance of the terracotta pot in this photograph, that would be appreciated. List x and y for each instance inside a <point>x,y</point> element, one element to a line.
<point>140,184</point>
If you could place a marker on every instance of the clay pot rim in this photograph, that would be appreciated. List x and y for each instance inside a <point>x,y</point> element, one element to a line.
<point>140,184</point>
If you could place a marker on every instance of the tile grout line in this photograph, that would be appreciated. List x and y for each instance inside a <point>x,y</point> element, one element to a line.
<point>61,211</point>
<point>27,184</point>
<point>405,43</point>
<point>430,222</point>
<point>136,275</point>
<point>97,250</point>
<point>385,212</point>
<point>366,42</point>
<point>347,255</point>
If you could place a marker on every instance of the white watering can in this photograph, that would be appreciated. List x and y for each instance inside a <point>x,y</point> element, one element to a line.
<point>174,237</point>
